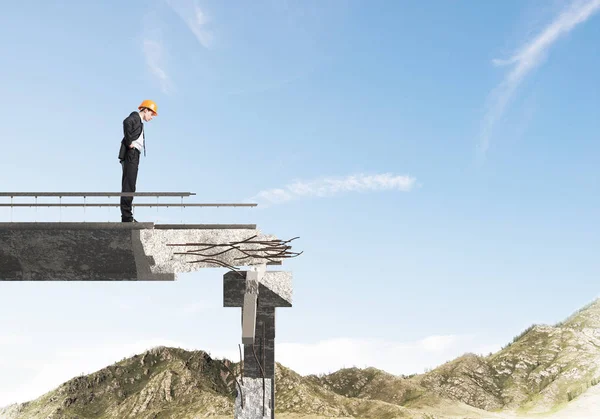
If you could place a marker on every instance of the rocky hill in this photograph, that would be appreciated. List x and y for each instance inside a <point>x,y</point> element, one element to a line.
<point>540,371</point>
<point>544,369</point>
<point>161,383</point>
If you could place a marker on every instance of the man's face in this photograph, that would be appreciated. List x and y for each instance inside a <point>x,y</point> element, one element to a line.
<point>148,115</point>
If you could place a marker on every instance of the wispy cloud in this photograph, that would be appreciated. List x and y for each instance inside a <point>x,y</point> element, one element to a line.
<point>393,357</point>
<point>154,53</point>
<point>195,19</point>
<point>14,339</point>
<point>331,186</point>
<point>527,57</point>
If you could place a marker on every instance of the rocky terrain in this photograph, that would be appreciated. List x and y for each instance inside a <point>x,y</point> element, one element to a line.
<point>540,371</point>
<point>160,383</point>
<point>547,371</point>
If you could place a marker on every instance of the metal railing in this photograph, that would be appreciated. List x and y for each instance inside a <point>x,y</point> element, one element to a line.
<point>85,204</point>
<point>107,194</point>
<point>118,205</point>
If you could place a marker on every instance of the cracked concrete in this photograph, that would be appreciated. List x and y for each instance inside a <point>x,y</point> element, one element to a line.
<point>155,244</point>
<point>252,391</point>
<point>273,289</point>
<point>113,251</point>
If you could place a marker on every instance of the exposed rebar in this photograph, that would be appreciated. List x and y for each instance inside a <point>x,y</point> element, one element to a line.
<point>262,373</point>
<point>265,364</point>
<point>241,363</point>
<point>269,250</point>
<point>220,263</point>
<point>211,245</point>
<point>236,381</point>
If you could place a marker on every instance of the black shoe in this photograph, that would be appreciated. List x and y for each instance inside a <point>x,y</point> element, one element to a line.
<point>134,220</point>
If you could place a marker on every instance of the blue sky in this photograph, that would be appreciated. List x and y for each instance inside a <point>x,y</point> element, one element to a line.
<point>438,160</point>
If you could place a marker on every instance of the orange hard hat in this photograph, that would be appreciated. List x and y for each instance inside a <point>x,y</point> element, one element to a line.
<point>150,104</point>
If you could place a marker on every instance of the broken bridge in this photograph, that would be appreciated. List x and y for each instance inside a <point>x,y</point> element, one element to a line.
<point>145,251</point>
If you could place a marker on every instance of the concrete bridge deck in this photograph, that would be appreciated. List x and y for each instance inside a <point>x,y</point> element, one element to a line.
<point>89,251</point>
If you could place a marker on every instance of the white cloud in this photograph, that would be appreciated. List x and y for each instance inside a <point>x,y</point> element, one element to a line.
<point>330,186</point>
<point>6,340</point>
<point>393,357</point>
<point>195,19</point>
<point>154,52</point>
<point>530,55</point>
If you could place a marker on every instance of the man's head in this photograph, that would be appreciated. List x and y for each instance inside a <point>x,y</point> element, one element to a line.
<point>148,110</point>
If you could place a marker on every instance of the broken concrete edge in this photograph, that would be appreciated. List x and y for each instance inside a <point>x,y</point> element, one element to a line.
<point>189,250</point>
<point>275,289</point>
<point>143,262</point>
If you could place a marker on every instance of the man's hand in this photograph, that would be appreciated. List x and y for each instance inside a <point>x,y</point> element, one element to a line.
<point>131,146</point>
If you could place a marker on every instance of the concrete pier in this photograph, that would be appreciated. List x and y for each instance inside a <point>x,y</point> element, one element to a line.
<point>274,289</point>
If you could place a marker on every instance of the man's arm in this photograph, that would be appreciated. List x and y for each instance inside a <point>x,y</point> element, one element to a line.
<point>131,130</point>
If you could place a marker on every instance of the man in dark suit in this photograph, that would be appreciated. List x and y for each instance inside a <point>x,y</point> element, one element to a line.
<point>129,154</point>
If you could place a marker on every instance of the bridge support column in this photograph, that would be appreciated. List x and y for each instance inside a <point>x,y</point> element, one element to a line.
<point>258,293</point>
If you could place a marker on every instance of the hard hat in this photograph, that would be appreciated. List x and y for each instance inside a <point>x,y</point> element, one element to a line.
<point>150,105</point>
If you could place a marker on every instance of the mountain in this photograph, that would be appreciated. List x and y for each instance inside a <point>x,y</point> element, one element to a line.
<point>543,370</point>
<point>174,383</point>
<point>540,371</point>
<point>161,383</point>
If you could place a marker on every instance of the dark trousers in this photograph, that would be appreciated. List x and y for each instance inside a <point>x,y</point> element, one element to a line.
<point>130,170</point>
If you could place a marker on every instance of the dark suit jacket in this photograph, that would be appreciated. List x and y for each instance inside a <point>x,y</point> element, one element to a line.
<point>132,128</point>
